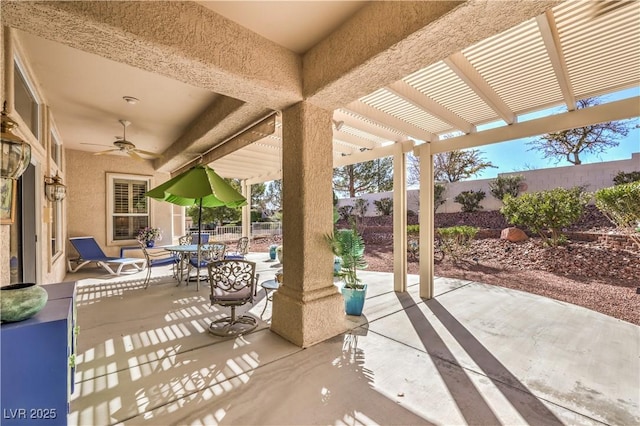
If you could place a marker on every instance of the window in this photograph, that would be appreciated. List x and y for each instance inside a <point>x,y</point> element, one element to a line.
<point>128,208</point>
<point>56,207</point>
<point>26,103</point>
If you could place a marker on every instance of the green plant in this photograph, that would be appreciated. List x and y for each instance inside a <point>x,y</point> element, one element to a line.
<point>413,230</point>
<point>360,207</point>
<point>621,204</point>
<point>470,200</point>
<point>622,177</point>
<point>345,211</point>
<point>348,245</point>
<point>384,206</point>
<point>503,185</point>
<point>546,211</point>
<point>456,240</point>
<point>438,195</point>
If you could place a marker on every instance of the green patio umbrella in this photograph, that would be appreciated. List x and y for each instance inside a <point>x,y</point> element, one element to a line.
<point>199,186</point>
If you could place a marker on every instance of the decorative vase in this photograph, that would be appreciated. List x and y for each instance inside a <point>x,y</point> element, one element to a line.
<point>21,301</point>
<point>150,243</point>
<point>354,300</point>
<point>272,251</point>
<point>279,253</point>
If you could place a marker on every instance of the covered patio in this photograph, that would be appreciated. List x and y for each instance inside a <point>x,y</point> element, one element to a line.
<point>474,354</point>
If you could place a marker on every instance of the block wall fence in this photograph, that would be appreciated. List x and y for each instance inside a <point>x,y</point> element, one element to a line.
<point>593,176</point>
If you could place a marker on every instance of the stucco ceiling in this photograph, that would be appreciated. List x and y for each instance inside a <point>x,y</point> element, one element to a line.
<point>576,49</point>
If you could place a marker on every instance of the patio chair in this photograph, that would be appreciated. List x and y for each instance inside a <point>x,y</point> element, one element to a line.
<point>199,238</point>
<point>210,253</point>
<point>233,283</point>
<point>89,251</point>
<point>242,248</point>
<point>154,258</point>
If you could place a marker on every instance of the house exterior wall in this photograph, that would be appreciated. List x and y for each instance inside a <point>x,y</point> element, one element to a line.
<point>87,193</point>
<point>593,176</point>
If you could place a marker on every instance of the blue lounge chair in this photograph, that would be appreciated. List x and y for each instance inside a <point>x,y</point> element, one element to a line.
<point>89,251</point>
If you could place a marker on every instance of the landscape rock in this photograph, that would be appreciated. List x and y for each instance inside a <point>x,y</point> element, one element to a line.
<point>514,235</point>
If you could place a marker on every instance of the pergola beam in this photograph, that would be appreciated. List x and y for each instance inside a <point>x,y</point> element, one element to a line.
<point>365,125</point>
<point>389,120</point>
<point>618,110</point>
<point>467,73</point>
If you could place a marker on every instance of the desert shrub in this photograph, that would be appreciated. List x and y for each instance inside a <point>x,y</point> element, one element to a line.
<point>546,211</point>
<point>438,195</point>
<point>503,185</point>
<point>623,177</point>
<point>411,213</point>
<point>413,230</point>
<point>470,200</point>
<point>360,207</point>
<point>621,205</point>
<point>345,212</point>
<point>384,206</point>
<point>456,240</point>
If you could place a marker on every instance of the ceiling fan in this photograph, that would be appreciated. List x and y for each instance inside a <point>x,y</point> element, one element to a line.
<point>123,145</point>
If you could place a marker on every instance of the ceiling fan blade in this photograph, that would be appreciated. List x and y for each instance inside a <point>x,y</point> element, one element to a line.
<point>106,152</point>
<point>135,155</point>
<point>149,153</point>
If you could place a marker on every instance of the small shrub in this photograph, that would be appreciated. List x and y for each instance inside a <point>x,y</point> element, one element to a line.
<point>438,195</point>
<point>384,206</point>
<point>621,205</point>
<point>413,230</point>
<point>470,200</point>
<point>360,207</point>
<point>456,240</point>
<point>545,211</point>
<point>503,185</point>
<point>345,212</point>
<point>623,177</point>
<point>411,213</point>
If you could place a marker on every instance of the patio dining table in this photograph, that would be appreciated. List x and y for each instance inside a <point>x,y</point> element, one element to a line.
<point>183,253</point>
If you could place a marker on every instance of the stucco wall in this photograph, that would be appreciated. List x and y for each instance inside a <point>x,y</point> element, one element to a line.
<point>87,196</point>
<point>594,176</point>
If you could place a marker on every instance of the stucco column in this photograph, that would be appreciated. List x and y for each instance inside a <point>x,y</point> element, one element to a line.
<point>426,221</point>
<point>308,308</point>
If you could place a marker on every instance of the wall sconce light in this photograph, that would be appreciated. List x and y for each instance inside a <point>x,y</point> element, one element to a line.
<point>54,189</point>
<point>15,154</point>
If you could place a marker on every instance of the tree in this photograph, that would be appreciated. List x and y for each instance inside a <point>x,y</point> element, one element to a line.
<point>370,176</point>
<point>258,200</point>
<point>592,139</point>
<point>218,214</point>
<point>470,200</point>
<point>273,195</point>
<point>456,165</point>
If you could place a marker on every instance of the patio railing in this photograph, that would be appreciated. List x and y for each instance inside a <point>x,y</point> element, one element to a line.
<point>232,232</point>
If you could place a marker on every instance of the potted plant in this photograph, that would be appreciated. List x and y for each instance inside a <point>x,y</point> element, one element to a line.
<point>149,235</point>
<point>348,245</point>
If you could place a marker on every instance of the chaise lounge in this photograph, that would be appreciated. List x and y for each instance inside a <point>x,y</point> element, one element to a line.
<point>89,251</point>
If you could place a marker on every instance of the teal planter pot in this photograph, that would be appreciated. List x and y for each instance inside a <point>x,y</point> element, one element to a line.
<point>354,300</point>
<point>21,301</point>
<point>272,251</point>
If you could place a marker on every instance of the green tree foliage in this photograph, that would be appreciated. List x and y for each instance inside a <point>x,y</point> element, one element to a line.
<point>273,195</point>
<point>546,211</point>
<point>218,214</point>
<point>503,185</point>
<point>257,196</point>
<point>456,165</point>
<point>592,139</point>
<point>362,178</point>
<point>621,204</point>
<point>470,200</point>
<point>438,195</point>
<point>384,206</point>
<point>623,177</point>
<point>456,240</point>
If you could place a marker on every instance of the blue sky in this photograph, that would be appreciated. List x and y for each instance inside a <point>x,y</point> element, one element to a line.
<point>515,155</point>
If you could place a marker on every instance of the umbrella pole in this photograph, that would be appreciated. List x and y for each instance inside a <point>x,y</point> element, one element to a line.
<point>199,243</point>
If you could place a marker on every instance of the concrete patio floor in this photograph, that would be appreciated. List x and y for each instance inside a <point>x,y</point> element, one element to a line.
<point>475,354</point>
